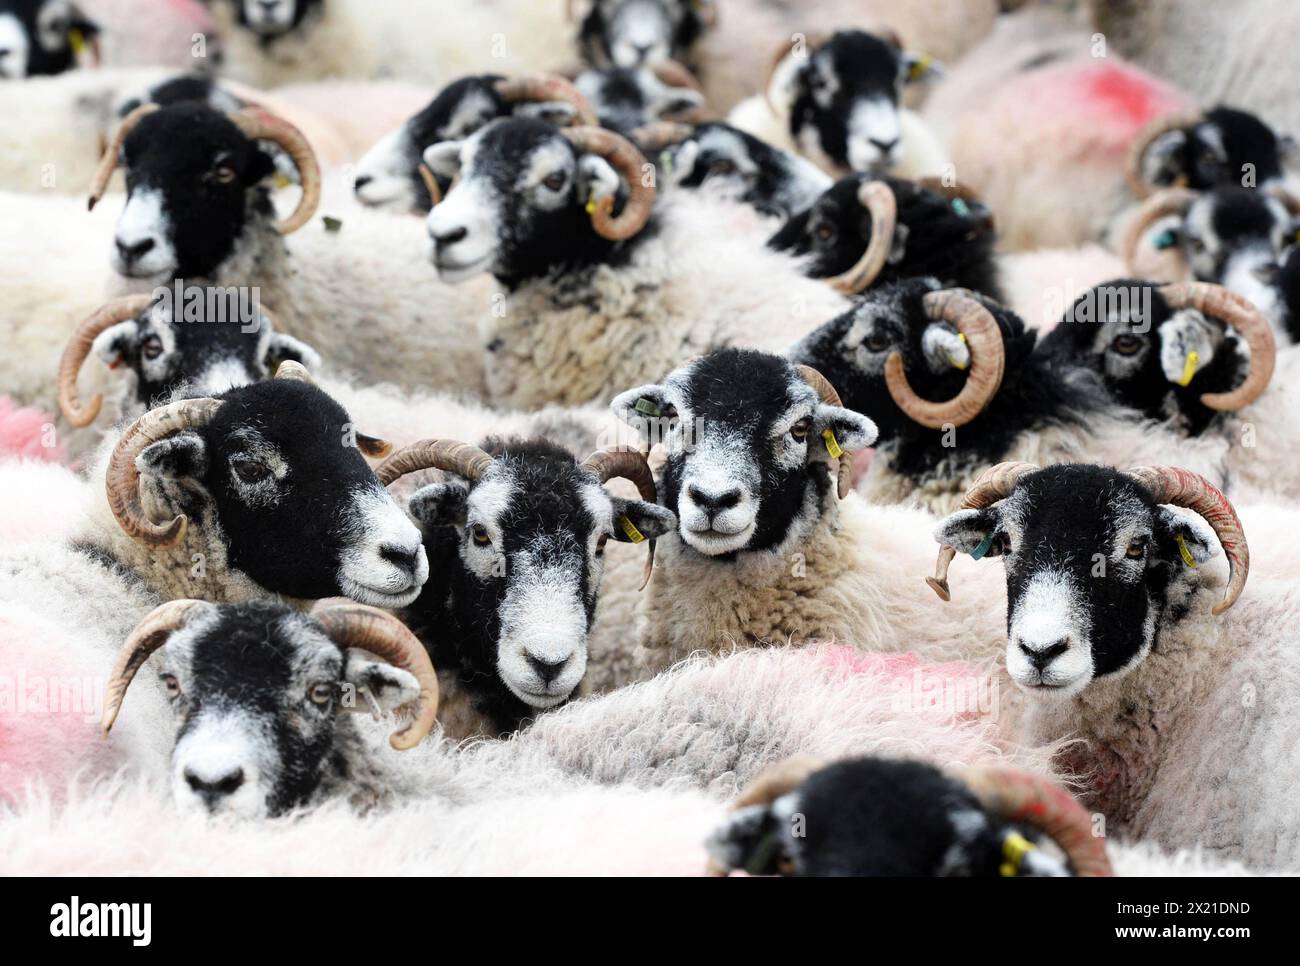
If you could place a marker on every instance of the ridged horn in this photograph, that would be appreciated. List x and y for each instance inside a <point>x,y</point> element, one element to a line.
<point>464,459</point>
<point>877,199</point>
<point>294,371</point>
<point>122,479</point>
<point>539,88</point>
<point>1027,799</point>
<point>995,483</point>
<point>1216,302</point>
<point>262,125</point>
<point>1175,486</point>
<point>1140,187</point>
<point>78,348</point>
<point>630,164</point>
<point>657,135</point>
<point>113,152</point>
<point>963,311</point>
<point>147,636</point>
<point>629,464</point>
<point>382,634</point>
<point>675,74</point>
<point>827,394</point>
<point>1167,201</point>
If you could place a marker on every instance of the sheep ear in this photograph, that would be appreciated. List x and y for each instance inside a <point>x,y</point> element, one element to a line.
<point>971,531</point>
<point>649,519</point>
<point>559,113</point>
<point>789,77</point>
<point>852,431</point>
<point>180,457</point>
<point>112,345</point>
<point>285,348</point>
<point>367,679</point>
<point>1187,332</point>
<point>1175,530</point>
<point>1158,165</point>
<point>944,348</point>
<point>744,840</point>
<point>597,177</point>
<point>678,100</point>
<point>642,408</point>
<point>677,164</point>
<point>439,505</point>
<point>443,158</point>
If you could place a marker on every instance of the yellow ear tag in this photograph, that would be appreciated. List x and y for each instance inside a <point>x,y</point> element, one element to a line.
<point>633,534</point>
<point>281,180</point>
<point>591,204</point>
<point>1014,849</point>
<point>919,67</point>
<point>961,337</point>
<point>1187,554</point>
<point>77,41</point>
<point>1189,368</point>
<point>832,444</point>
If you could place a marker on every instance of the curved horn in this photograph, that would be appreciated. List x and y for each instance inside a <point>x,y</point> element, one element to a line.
<point>827,394</point>
<point>380,633</point>
<point>262,125</point>
<point>536,88</point>
<point>1217,302</point>
<point>987,362</point>
<point>113,153</point>
<point>430,182</point>
<point>995,483</point>
<point>78,347</point>
<point>628,162</point>
<point>149,635</point>
<point>657,135</point>
<point>1140,187</point>
<point>1175,486</point>
<point>464,459</point>
<point>1168,201</point>
<point>631,465</point>
<point>122,479</point>
<point>876,197</point>
<point>1027,799</point>
<point>294,371</point>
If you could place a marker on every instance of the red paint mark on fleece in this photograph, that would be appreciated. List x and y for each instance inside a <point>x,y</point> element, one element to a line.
<point>1127,94</point>
<point>24,431</point>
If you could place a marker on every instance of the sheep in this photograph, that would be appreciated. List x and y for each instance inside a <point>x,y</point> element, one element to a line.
<point>170,38</point>
<point>593,303</point>
<point>1234,237</point>
<point>1114,634</point>
<point>901,817</point>
<point>626,98</point>
<point>224,473</point>
<point>894,355</point>
<point>43,37</point>
<point>389,175</point>
<point>518,535</point>
<point>836,101</point>
<point>360,295</point>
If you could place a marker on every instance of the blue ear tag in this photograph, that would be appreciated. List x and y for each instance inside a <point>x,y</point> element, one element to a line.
<point>959,205</point>
<point>983,548</point>
<point>1164,240</point>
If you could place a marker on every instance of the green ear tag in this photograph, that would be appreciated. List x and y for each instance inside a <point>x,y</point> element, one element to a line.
<point>959,205</point>
<point>983,548</point>
<point>1164,240</point>
<point>77,41</point>
<point>646,407</point>
<point>633,534</point>
<point>331,224</point>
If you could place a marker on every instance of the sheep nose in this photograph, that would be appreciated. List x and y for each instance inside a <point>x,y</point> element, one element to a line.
<point>362,181</point>
<point>450,237</point>
<point>132,251</point>
<point>1040,657</point>
<point>548,671</point>
<point>884,147</point>
<point>403,559</point>
<point>211,789</point>
<point>713,503</point>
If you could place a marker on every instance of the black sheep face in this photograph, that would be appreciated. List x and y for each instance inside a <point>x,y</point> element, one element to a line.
<point>278,470</point>
<point>257,692</point>
<point>194,184</point>
<point>747,450</point>
<point>1226,147</point>
<point>41,37</point>
<point>634,33</point>
<point>626,98</point>
<point>736,165</point>
<point>876,817</point>
<point>1094,567</point>
<point>529,540</point>
<point>1152,358</point>
<point>519,207</point>
<point>208,344</point>
<point>270,19</point>
<point>842,100</point>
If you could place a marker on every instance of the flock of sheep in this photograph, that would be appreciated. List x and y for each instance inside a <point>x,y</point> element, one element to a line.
<point>597,397</point>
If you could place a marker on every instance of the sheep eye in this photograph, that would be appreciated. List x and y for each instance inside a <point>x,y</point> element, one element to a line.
<point>478,533</point>
<point>1137,549</point>
<point>152,347</point>
<point>800,429</point>
<point>320,693</point>
<point>172,686</point>
<point>723,167</point>
<point>555,181</point>
<point>877,342</point>
<point>249,471</point>
<point>221,175</point>
<point>1126,345</point>
<point>824,231</point>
